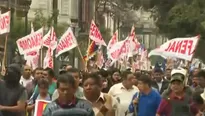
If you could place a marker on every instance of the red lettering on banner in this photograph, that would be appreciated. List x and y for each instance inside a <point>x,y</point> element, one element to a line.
<point>31,42</point>
<point>95,32</point>
<point>65,43</point>
<point>32,53</point>
<point>4,22</point>
<point>180,47</point>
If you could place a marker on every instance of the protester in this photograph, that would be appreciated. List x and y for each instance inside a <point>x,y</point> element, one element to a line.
<point>103,104</point>
<point>37,74</point>
<point>168,74</point>
<point>66,86</point>
<point>176,102</point>
<point>43,85</point>
<point>26,77</point>
<point>13,95</point>
<point>106,83</point>
<point>115,76</point>
<point>201,77</point>
<point>48,74</point>
<point>159,82</point>
<point>79,90</point>
<point>146,101</point>
<point>124,92</point>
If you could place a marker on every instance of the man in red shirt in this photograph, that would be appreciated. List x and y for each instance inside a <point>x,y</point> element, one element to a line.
<point>177,100</point>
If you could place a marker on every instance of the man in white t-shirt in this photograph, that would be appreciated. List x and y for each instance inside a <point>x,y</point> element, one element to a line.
<point>124,92</point>
<point>26,77</point>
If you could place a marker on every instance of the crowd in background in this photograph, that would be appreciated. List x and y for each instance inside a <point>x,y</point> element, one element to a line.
<point>102,92</point>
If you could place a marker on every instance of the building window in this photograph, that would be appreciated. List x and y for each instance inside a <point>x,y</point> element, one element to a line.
<point>65,7</point>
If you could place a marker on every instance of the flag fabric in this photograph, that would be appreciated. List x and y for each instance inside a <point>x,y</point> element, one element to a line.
<point>40,105</point>
<point>113,40</point>
<point>95,34</point>
<point>91,51</point>
<point>182,48</point>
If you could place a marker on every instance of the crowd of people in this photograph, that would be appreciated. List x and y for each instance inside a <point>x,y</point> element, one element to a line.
<point>102,92</point>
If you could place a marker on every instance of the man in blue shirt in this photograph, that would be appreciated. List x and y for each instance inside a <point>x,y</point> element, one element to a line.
<point>147,101</point>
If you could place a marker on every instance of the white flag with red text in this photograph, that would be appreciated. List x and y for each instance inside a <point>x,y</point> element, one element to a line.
<point>95,34</point>
<point>182,48</point>
<point>5,20</point>
<point>66,42</point>
<point>31,42</point>
<point>32,59</point>
<point>50,39</point>
<point>113,40</point>
<point>48,60</point>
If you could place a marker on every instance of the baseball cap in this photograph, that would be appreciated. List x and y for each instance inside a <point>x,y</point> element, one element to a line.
<point>178,74</point>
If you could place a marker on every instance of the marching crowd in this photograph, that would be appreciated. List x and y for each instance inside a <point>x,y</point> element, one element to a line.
<point>102,92</point>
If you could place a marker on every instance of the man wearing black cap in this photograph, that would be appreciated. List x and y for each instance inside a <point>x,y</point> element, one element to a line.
<point>13,95</point>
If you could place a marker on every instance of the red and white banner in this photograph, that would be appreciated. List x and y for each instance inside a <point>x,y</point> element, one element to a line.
<point>182,48</point>
<point>113,40</point>
<point>32,59</point>
<point>66,43</point>
<point>48,60</point>
<point>118,50</point>
<point>50,39</point>
<point>40,105</point>
<point>31,42</point>
<point>95,34</point>
<point>5,23</point>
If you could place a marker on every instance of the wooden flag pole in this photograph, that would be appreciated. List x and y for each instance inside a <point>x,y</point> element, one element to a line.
<point>4,58</point>
<point>81,55</point>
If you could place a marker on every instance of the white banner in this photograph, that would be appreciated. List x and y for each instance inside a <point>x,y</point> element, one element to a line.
<point>95,34</point>
<point>50,39</point>
<point>113,40</point>
<point>182,48</point>
<point>66,43</point>
<point>5,23</point>
<point>31,42</point>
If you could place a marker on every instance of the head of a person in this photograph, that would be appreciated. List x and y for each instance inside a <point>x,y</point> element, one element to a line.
<point>115,75</point>
<point>27,71</point>
<point>104,77</point>
<point>43,85</point>
<point>158,75</point>
<point>13,74</point>
<point>92,85</point>
<point>177,80</point>
<point>201,76</point>
<point>38,73</point>
<point>68,67</point>
<point>195,81</point>
<point>137,76</point>
<point>66,87</point>
<point>199,100</point>
<point>195,71</point>
<point>128,79</point>
<point>144,82</point>
<point>49,74</point>
<point>168,74</point>
<point>75,73</point>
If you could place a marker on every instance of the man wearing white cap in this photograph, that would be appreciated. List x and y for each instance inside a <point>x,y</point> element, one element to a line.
<point>176,101</point>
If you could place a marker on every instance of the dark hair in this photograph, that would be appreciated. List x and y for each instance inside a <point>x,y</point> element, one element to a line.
<point>66,78</point>
<point>94,76</point>
<point>201,73</point>
<point>137,75</point>
<point>158,70</point>
<point>145,79</point>
<point>197,97</point>
<point>50,72</point>
<point>43,83</point>
<point>103,73</point>
<point>38,68</point>
<point>114,70</point>
<point>124,74</point>
<point>73,70</point>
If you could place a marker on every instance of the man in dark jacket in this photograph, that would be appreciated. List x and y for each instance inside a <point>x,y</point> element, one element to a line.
<point>13,95</point>
<point>159,82</point>
<point>67,103</point>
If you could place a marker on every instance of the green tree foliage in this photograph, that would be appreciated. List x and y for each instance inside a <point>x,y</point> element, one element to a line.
<point>177,18</point>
